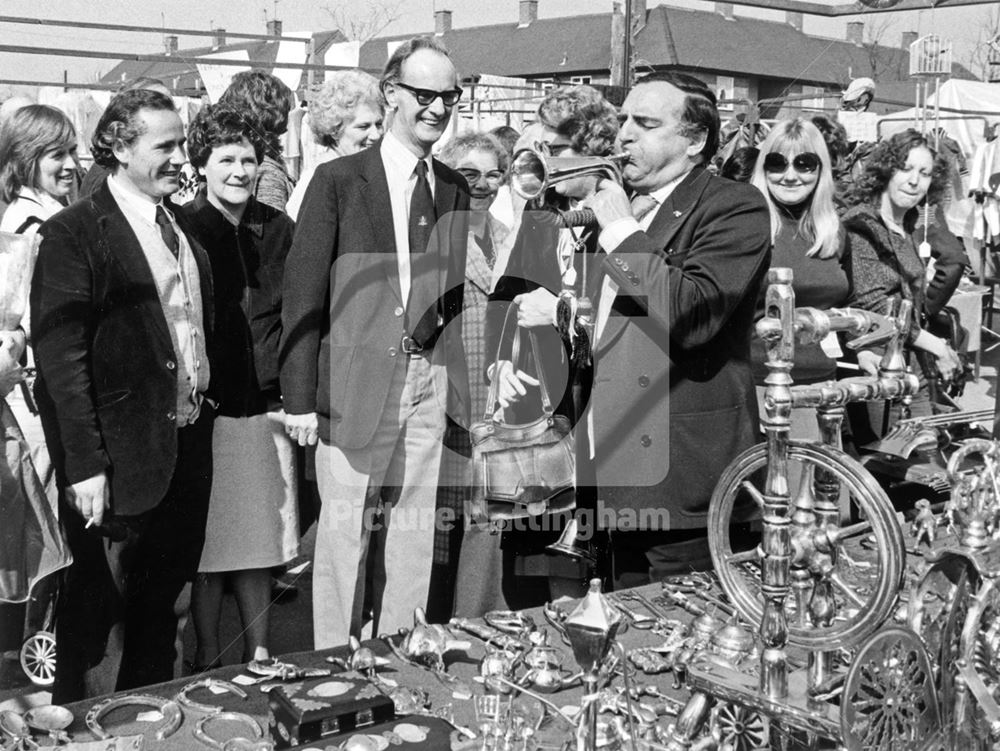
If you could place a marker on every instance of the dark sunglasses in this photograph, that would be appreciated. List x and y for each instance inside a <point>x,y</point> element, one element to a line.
<point>805,163</point>
<point>425,97</point>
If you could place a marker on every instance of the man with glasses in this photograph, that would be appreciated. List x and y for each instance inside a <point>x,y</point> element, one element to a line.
<point>369,363</point>
<point>683,259</point>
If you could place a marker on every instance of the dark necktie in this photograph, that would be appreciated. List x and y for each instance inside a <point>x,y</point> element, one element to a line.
<point>167,231</point>
<point>422,214</point>
<point>422,308</point>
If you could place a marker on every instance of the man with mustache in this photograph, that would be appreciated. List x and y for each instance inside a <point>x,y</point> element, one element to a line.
<point>673,401</point>
<point>120,304</point>
<point>369,363</point>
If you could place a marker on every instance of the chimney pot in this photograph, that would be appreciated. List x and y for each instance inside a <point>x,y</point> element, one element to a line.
<point>170,44</point>
<point>794,19</point>
<point>274,27</point>
<point>856,32</point>
<point>528,12</point>
<point>218,37</point>
<point>442,22</point>
<point>725,10</point>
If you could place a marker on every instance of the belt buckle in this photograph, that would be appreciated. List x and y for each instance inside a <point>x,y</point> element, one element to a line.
<point>409,346</point>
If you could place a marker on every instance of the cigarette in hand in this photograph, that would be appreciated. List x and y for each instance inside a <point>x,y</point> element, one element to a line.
<point>90,523</point>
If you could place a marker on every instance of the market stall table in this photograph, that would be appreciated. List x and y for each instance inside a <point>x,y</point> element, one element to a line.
<point>464,667</point>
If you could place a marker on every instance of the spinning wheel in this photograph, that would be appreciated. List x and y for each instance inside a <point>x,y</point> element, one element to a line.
<point>938,606</point>
<point>863,593</point>
<point>976,709</point>
<point>889,701</point>
<point>740,728</point>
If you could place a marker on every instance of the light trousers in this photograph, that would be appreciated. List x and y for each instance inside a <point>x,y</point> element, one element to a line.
<point>380,501</point>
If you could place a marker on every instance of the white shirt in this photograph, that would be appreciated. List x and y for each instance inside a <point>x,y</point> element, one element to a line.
<point>178,285</point>
<point>614,235</point>
<point>400,164</point>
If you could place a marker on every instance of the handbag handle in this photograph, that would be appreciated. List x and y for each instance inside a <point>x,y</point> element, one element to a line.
<point>491,398</point>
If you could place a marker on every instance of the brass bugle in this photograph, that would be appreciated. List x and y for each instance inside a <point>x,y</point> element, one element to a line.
<point>532,173</point>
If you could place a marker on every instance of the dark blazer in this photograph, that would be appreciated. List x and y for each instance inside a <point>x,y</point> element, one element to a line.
<point>673,396</point>
<point>343,315</point>
<point>107,373</point>
<point>248,263</point>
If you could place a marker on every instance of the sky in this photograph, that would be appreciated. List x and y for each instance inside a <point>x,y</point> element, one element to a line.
<point>963,25</point>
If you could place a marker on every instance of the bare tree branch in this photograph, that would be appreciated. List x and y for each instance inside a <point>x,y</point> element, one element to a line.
<point>879,54</point>
<point>983,51</point>
<point>363,21</point>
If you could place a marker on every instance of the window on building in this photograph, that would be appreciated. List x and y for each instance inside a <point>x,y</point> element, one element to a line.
<point>724,89</point>
<point>580,80</point>
<point>816,103</point>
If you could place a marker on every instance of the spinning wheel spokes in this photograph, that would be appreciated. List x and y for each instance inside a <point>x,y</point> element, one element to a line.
<point>863,598</point>
<point>889,701</point>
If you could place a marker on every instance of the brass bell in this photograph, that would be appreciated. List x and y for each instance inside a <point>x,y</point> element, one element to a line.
<point>570,544</point>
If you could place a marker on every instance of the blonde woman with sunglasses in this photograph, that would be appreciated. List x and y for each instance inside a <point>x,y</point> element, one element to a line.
<point>794,173</point>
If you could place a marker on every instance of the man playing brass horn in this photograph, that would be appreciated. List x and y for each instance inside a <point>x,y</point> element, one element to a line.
<point>682,256</point>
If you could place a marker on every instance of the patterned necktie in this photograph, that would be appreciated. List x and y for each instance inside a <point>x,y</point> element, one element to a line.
<point>422,215</point>
<point>642,204</point>
<point>167,231</point>
<point>485,243</point>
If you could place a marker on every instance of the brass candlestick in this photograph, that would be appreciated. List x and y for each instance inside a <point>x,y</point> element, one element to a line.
<point>591,630</point>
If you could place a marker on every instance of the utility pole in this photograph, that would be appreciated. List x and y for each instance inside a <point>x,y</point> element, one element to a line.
<point>627,47</point>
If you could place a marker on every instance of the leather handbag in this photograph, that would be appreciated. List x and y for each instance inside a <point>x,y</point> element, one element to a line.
<point>523,470</point>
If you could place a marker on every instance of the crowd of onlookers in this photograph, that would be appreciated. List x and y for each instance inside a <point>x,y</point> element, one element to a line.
<point>220,356</point>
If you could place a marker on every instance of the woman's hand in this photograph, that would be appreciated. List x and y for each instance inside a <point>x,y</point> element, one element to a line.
<point>511,385</point>
<point>868,361</point>
<point>536,309</point>
<point>948,363</point>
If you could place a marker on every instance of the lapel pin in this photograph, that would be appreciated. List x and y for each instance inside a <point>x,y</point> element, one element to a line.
<point>677,213</point>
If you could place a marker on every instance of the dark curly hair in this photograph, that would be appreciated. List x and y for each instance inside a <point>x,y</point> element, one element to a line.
<point>120,122</point>
<point>267,98</point>
<point>592,129</point>
<point>888,157</point>
<point>219,125</point>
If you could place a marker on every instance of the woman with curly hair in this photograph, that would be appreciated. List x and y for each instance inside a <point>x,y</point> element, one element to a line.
<point>515,570</point>
<point>252,517</point>
<point>268,101</point>
<point>345,116</point>
<point>902,172</point>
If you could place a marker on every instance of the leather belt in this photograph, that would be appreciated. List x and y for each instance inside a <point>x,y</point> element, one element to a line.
<point>409,345</point>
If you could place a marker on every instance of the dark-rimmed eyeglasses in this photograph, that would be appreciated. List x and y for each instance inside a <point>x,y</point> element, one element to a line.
<point>806,163</point>
<point>473,176</point>
<point>425,97</point>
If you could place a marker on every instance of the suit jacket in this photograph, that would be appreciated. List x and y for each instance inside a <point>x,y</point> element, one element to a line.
<point>107,372</point>
<point>673,397</point>
<point>343,314</point>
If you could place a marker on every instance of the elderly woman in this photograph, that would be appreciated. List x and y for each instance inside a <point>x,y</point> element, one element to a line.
<point>545,262</point>
<point>482,160</point>
<point>268,101</point>
<point>345,116</point>
<point>901,174</point>
<point>252,522</point>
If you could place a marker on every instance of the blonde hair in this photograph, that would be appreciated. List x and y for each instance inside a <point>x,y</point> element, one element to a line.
<point>819,222</point>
